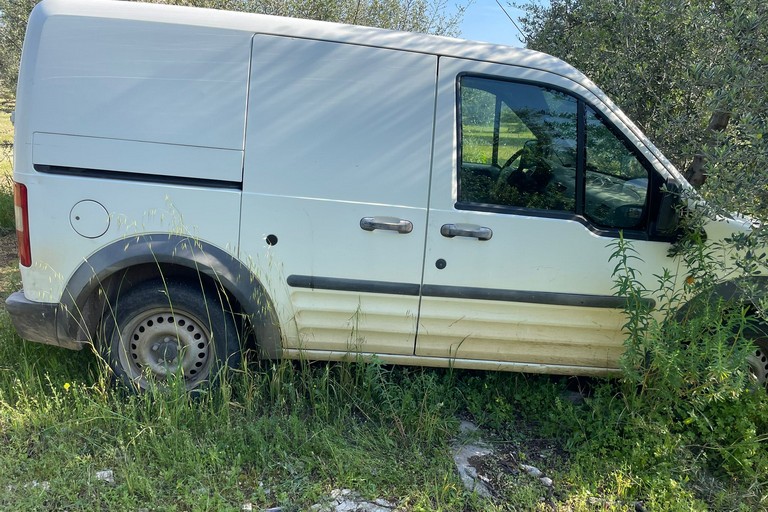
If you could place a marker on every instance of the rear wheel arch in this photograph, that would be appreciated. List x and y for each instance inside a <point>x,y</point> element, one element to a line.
<point>129,262</point>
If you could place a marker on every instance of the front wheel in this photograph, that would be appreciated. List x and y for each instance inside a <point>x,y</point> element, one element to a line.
<point>158,330</point>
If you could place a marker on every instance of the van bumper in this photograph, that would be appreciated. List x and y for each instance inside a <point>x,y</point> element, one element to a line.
<point>36,321</point>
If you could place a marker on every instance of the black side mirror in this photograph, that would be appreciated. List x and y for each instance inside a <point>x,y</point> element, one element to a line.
<point>670,206</point>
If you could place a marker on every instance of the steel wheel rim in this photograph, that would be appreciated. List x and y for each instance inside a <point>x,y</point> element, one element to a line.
<point>162,343</point>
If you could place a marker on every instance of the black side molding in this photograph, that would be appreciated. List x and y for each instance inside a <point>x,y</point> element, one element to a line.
<point>548,298</point>
<point>461,292</point>
<point>353,285</point>
<point>108,174</point>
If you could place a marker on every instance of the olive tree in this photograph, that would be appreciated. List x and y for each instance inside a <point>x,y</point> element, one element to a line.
<point>692,73</point>
<point>13,22</point>
<point>427,16</point>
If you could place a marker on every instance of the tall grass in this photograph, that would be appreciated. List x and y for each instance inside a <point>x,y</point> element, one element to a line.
<point>279,433</point>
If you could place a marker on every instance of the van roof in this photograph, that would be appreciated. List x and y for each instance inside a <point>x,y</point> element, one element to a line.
<point>310,29</point>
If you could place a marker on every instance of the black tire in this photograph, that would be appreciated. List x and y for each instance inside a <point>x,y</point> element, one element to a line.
<point>158,329</point>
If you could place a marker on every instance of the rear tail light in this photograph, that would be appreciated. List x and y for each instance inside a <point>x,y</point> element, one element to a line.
<point>22,223</point>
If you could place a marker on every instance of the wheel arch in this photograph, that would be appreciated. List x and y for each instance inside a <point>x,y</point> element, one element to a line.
<point>138,258</point>
<point>745,291</point>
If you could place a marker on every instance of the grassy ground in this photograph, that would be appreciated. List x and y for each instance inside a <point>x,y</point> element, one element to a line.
<point>9,275</point>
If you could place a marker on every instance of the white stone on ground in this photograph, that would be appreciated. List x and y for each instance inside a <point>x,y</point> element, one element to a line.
<point>465,451</point>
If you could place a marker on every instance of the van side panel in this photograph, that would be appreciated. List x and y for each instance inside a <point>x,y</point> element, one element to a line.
<point>177,87</point>
<point>341,122</point>
<point>115,155</point>
<point>336,133</point>
<point>541,291</point>
<point>156,108</point>
<point>127,209</point>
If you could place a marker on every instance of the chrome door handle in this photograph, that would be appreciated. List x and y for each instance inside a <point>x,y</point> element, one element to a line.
<point>386,223</point>
<point>468,230</point>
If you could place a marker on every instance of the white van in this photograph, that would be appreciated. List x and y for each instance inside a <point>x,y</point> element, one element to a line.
<point>187,178</point>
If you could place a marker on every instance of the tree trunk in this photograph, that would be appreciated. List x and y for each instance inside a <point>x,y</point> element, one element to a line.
<point>696,172</point>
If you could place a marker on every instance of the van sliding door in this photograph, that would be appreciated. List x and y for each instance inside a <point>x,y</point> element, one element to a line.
<point>336,180</point>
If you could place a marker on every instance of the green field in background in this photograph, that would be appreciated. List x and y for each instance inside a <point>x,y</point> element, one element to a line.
<point>478,144</point>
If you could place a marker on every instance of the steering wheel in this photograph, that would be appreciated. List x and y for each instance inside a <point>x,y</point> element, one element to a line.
<point>598,179</point>
<point>511,159</point>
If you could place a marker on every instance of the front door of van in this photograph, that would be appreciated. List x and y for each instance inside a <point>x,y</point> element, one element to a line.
<point>532,184</point>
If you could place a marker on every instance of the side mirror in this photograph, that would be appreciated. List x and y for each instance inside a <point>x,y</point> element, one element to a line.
<point>668,216</point>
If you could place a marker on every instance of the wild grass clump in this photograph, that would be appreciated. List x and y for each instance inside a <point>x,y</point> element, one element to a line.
<point>286,433</point>
<point>688,404</point>
<point>688,370</point>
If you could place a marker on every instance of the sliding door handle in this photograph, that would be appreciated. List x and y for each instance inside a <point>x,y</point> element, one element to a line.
<point>387,224</point>
<point>468,230</point>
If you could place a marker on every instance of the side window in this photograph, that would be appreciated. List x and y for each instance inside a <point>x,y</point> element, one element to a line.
<point>616,181</point>
<point>518,145</point>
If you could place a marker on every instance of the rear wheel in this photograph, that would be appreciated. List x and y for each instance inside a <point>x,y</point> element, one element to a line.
<point>162,330</point>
